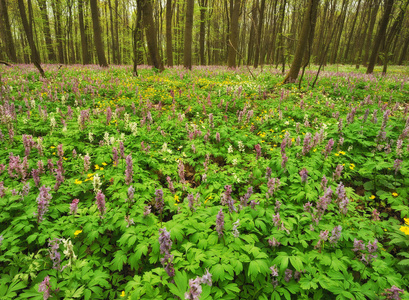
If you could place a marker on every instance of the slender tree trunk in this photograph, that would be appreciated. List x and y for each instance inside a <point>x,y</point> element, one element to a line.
<point>302,42</point>
<point>35,57</point>
<point>203,7</point>
<point>352,31</point>
<point>187,53</point>
<point>169,51</point>
<point>234,33</point>
<point>340,29</point>
<point>280,50</point>
<point>259,32</point>
<point>150,32</point>
<point>99,44</point>
<point>8,36</point>
<point>253,22</point>
<point>113,44</point>
<point>57,28</point>
<point>84,44</point>
<point>47,31</point>
<point>404,53</point>
<point>370,31</point>
<point>380,36</point>
<point>117,45</point>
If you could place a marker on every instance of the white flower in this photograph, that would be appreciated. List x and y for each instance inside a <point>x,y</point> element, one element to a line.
<point>241,146</point>
<point>96,183</point>
<point>133,126</point>
<point>230,149</point>
<point>234,162</point>
<point>106,138</point>
<point>90,137</point>
<point>53,123</point>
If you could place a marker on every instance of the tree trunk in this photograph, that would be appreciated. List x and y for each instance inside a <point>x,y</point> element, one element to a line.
<point>259,32</point>
<point>187,52</point>
<point>8,36</point>
<point>253,22</point>
<point>370,31</point>
<point>380,35</point>
<point>203,7</point>
<point>169,51</point>
<point>113,44</point>
<point>84,44</point>
<point>351,32</point>
<point>404,53</point>
<point>99,45</point>
<point>35,57</point>
<point>340,29</point>
<point>234,33</point>
<point>117,47</point>
<point>302,42</point>
<point>150,32</point>
<point>47,31</point>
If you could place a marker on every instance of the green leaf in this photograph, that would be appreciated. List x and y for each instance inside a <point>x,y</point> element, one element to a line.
<point>217,272</point>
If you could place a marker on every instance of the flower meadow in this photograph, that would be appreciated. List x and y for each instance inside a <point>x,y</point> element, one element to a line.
<point>203,184</point>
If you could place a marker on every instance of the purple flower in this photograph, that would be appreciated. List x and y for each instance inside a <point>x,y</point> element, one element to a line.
<point>195,288</point>
<point>220,222</point>
<point>109,115</point>
<point>60,151</point>
<point>328,148</point>
<point>159,203</point>
<point>45,287</point>
<point>273,184</point>
<point>258,151</point>
<point>393,293</point>
<point>373,247</point>
<point>244,200</point>
<point>170,184</point>
<point>129,170</point>
<point>131,193</point>
<point>147,210</point>
<point>277,220</point>
<point>337,174</point>
<point>307,144</point>
<point>122,149</point>
<point>55,256</point>
<point>322,238</point>
<point>375,215</point>
<point>74,206</point>
<point>181,171</point>
<point>217,137</point>
<point>236,224</point>
<point>284,161</point>
<point>165,244</point>
<point>274,271</point>
<point>87,163</point>
<point>335,235</point>
<point>288,275</point>
<point>358,245</point>
<point>324,183</point>
<point>43,202</point>
<point>304,175</point>
<point>226,199</point>
<point>397,165</point>
<point>115,157</point>
<point>100,201</point>
<point>268,173</point>
<point>2,189</point>
<point>273,242</point>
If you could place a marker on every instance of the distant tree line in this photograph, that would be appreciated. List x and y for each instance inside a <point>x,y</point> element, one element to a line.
<point>205,32</point>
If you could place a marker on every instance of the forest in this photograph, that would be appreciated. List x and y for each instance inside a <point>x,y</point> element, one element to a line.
<point>204,32</point>
<point>210,149</point>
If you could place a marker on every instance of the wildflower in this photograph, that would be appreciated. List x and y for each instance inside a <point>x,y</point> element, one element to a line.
<point>358,245</point>
<point>288,274</point>
<point>55,256</point>
<point>328,148</point>
<point>181,171</point>
<point>129,221</point>
<point>195,288</point>
<point>304,175</point>
<point>115,156</point>
<point>335,234</point>
<point>337,174</point>
<point>165,244</point>
<point>87,163</point>
<point>131,193</point>
<point>170,184</point>
<point>404,229</point>
<point>406,221</point>
<point>273,242</point>
<point>274,271</point>
<point>244,200</point>
<point>123,294</point>
<point>393,293</point>
<point>373,247</point>
<point>351,166</point>
<point>235,232</point>
<point>397,165</point>
<point>74,206</point>
<point>43,201</point>
<point>372,197</point>
<point>147,210</point>
<point>220,223</point>
<point>395,194</point>
<point>96,182</point>
<point>258,151</point>
<point>159,203</point>
<point>100,201</point>
<point>273,184</point>
<point>129,170</point>
<point>45,287</point>
<point>77,232</point>
<point>217,137</point>
<point>375,215</point>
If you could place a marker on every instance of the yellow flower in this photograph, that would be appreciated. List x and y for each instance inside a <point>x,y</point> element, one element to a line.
<point>104,164</point>
<point>77,232</point>
<point>52,147</point>
<point>90,175</point>
<point>372,197</point>
<point>53,153</point>
<point>177,198</point>
<point>123,294</point>
<point>395,194</point>
<point>78,181</point>
<point>405,230</point>
<point>351,166</point>
<point>96,167</point>
<point>406,221</point>
<point>101,169</point>
<point>336,154</point>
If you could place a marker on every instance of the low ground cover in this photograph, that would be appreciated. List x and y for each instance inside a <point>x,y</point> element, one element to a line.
<point>210,183</point>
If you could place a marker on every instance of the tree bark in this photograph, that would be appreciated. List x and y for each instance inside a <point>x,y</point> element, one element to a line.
<point>113,44</point>
<point>187,52</point>
<point>35,57</point>
<point>380,36</point>
<point>259,32</point>
<point>302,42</point>
<point>84,43</point>
<point>8,36</point>
<point>253,22</point>
<point>99,45</point>
<point>352,31</point>
<point>169,51</point>
<point>57,28</point>
<point>234,33</point>
<point>203,7</point>
<point>150,32</point>
<point>47,31</point>
<point>370,31</point>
